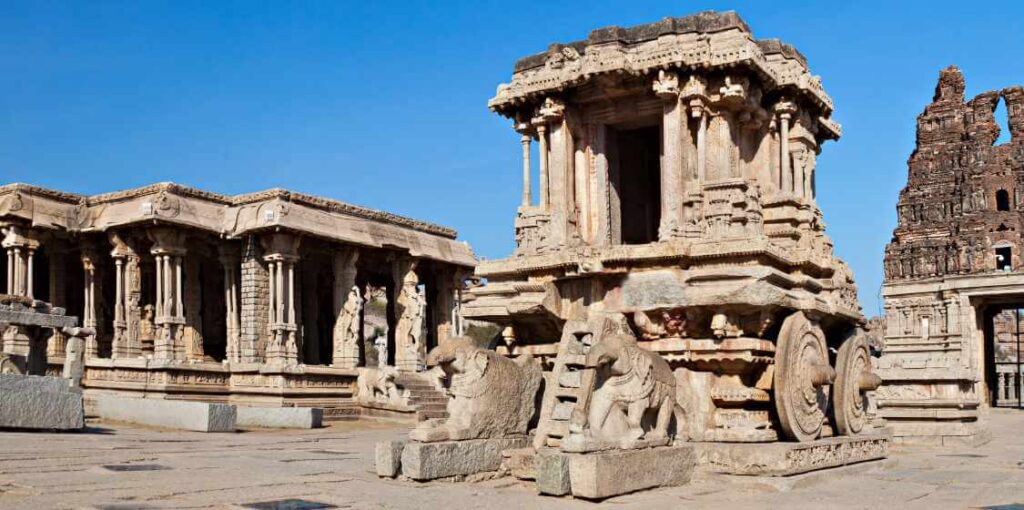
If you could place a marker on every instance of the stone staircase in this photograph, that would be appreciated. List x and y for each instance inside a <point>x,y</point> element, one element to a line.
<point>423,396</point>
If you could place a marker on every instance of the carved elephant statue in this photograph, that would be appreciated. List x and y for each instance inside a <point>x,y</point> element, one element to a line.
<point>635,381</point>
<point>491,396</point>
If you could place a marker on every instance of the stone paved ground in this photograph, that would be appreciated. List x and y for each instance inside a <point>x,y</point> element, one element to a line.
<point>333,465</point>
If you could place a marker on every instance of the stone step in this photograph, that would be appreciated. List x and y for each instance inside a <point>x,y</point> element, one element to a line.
<point>427,415</point>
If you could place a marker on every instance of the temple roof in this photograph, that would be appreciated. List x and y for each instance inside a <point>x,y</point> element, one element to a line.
<point>704,40</point>
<point>230,216</point>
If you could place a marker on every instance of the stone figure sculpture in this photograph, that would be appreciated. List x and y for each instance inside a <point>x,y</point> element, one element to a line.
<point>377,385</point>
<point>491,396</point>
<point>631,383</point>
<point>380,343</point>
<point>347,329</point>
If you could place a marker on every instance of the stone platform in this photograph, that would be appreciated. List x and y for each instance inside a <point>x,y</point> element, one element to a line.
<point>784,459</point>
<point>443,459</point>
<point>40,403</point>
<point>601,475</point>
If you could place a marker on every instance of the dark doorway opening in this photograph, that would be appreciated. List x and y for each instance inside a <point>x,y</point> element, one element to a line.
<point>1004,371</point>
<point>1004,260</point>
<point>1002,200</point>
<point>637,181</point>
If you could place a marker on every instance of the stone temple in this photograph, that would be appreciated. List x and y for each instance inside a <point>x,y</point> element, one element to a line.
<point>255,298</point>
<point>676,202</point>
<point>954,286</point>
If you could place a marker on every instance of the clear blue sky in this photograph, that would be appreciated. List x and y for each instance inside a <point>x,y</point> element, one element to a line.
<point>384,104</point>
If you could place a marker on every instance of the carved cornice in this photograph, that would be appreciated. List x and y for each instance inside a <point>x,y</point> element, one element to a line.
<point>168,193</point>
<point>707,40</point>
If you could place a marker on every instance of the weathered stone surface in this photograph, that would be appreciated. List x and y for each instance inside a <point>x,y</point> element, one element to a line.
<point>174,414</point>
<point>520,462</point>
<point>605,474</point>
<point>388,458</point>
<point>552,472</point>
<point>492,396</point>
<point>699,253</point>
<point>953,265</point>
<point>35,402</point>
<point>280,417</point>
<point>428,461</point>
<point>783,459</point>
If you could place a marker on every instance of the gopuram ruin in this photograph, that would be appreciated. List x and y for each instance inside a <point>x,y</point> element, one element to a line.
<point>954,286</point>
<point>258,299</point>
<point>672,274</point>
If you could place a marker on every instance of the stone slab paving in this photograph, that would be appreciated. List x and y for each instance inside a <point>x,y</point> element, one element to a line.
<point>117,467</point>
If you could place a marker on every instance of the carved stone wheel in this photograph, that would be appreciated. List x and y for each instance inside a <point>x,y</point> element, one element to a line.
<point>802,376</point>
<point>853,379</point>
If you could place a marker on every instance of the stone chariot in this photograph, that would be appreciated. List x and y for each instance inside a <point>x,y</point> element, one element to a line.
<point>676,205</point>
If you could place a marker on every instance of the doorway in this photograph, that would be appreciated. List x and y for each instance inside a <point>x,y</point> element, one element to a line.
<point>1005,368</point>
<point>636,178</point>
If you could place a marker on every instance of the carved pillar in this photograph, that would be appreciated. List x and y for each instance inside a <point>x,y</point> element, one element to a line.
<point>667,88</point>
<point>348,306</point>
<point>785,111</point>
<point>525,142</point>
<point>410,347</point>
<point>127,299</point>
<point>89,259</point>
<point>57,281</point>
<point>695,94</point>
<point>542,137</point>
<point>168,250</point>
<point>21,247</point>
<point>281,255</point>
<point>255,301</point>
<point>229,260</point>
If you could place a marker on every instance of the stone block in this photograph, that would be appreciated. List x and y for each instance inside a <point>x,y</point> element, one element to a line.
<point>784,459</point>
<point>551,471</point>
<point>519,462</point>
<point>174,414</point>
<point>429,461</point>
<point>280,417</point>
<point>388,456</point>
<point>36,402</point>
<point>611,473</point>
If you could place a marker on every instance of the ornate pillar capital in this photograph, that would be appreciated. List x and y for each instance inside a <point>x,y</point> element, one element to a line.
<point>666,85</point>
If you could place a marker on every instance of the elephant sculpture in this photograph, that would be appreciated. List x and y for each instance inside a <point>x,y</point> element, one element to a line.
<point>632,383</point>
<point>491,396</point>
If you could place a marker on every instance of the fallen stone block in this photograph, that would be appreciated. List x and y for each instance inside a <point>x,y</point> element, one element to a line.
<point>174,414</point>
<point>429,461</point>
<point>784,459</point>
<point>551,469</point>
<point>280,417</point>
<point>388,456</point>
<point>605,474</point>
<point>37,402</point>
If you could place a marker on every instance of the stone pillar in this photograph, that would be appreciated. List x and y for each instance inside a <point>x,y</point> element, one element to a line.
<point>666,86</point>
<point>191,301</point>
<point>449,288</point>
<point>696,96</point>
<point>410,343</point>
<point>255,302</point>
<point>58,280</point>
<point>556,168</point>
<point>168,250</point>
<point>525,142</point>
<point>542,138</point>
<point>229,260</point>
<point>89,259</point>
<point>348,307</point>
<point>127,298</point>
<point>281,254</point>
<point>21,246</point>
<point>785,111</point>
